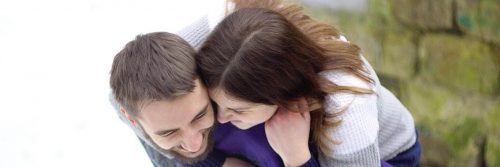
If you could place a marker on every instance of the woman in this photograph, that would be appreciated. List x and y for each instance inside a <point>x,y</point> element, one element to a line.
<point>257,63</point>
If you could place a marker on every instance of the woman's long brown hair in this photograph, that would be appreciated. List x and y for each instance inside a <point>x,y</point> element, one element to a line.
<point>270,52</point>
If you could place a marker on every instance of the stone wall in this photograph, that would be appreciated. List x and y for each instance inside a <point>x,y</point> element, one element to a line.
<point>441,58</point>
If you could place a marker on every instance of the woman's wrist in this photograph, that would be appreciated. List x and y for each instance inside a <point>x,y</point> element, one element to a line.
<point>297,159</point>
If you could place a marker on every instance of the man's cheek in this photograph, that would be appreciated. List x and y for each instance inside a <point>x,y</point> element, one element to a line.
<point>167,145</point>
<point>208,123</point>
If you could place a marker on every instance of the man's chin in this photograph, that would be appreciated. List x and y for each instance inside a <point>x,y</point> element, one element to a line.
<point>194,154</point>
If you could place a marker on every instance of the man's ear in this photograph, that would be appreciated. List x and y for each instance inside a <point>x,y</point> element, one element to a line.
<point>129,118</point>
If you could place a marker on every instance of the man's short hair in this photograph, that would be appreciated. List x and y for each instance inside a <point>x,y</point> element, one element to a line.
<point>154,66</point>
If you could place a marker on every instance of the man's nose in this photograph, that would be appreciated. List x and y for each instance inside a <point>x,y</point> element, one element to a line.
<point>192,141</point>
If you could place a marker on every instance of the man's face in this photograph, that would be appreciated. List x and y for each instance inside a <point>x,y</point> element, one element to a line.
<point>182,125</point>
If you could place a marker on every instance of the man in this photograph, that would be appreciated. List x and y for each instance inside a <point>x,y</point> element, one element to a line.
<point>155,74</point>
<point>159,95</point>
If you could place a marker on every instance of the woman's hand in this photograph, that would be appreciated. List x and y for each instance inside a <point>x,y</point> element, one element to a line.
<point>288,133</point>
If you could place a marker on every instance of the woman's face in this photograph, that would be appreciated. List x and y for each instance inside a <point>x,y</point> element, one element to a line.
<point>242,114</point>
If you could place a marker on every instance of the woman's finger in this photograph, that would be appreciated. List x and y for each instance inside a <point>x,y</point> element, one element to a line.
<point>302,105</point>
<point>307,116</point>
<point>294,106</point>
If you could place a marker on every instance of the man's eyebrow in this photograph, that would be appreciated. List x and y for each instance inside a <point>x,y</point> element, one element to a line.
<point>203,111</point>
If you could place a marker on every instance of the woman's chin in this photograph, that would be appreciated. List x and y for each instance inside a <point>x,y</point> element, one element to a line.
<point>243,126</point>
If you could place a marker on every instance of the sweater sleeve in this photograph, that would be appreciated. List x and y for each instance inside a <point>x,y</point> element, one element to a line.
<point>196,33</point>
<point>357,133</point>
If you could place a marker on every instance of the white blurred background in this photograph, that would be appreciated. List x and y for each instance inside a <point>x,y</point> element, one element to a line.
<point>55,58</point>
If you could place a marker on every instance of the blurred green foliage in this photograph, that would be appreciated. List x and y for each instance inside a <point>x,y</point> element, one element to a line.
<point>441,58</point>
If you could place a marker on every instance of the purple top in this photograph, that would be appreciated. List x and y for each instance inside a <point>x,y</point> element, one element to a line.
<point>385,164</point>
<point>251,144</point>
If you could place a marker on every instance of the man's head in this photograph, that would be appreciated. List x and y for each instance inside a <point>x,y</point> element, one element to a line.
<point>154,80</point>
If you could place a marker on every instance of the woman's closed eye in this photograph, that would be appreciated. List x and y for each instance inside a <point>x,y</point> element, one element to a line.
<point>237,111</point>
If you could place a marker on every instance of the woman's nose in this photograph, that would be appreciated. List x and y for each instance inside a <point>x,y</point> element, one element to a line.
<point>224,116</point>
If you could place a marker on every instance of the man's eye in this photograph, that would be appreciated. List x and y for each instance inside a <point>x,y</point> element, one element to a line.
<point>168,134</point>
<point>201,116</point>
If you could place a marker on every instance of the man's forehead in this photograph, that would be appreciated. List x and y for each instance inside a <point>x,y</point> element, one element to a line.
<point>183,103</point>
<point>167,108</point>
